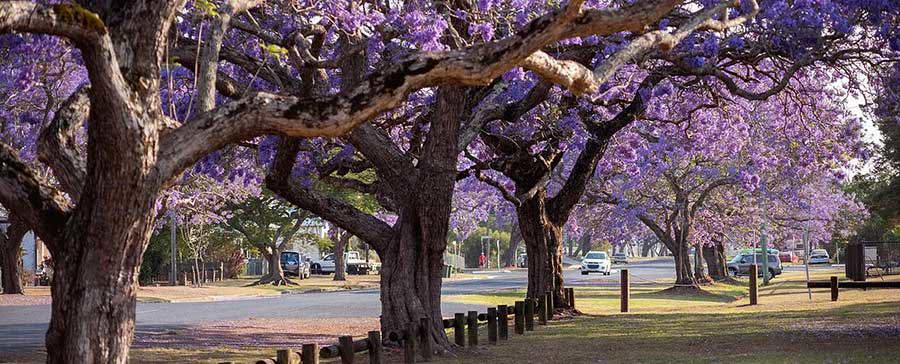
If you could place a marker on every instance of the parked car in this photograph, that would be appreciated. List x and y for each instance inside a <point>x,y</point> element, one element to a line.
<point>819,256</point>
<point>292,263</point>
<point>522,260</point>
<point>741,263</point>
<point>619,258</point>
<point>788,257</point>
<point>352,265</point>
<point>595,261</point>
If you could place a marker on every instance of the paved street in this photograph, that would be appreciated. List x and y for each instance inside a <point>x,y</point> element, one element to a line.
<point>23,327</point>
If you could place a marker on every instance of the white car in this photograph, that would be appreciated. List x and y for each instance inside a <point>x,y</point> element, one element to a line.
<point>819,256</point>
<point>595,262</point>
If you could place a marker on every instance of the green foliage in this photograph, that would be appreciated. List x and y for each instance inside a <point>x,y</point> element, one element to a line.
<point>206,8</point>
<point>75,14</point>
<point>274,50</point>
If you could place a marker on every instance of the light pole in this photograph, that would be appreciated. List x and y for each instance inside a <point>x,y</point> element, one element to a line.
<point>174,259</point>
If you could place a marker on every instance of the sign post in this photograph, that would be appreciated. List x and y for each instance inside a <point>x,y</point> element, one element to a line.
<point>765,255</point>
<point>806,258</point>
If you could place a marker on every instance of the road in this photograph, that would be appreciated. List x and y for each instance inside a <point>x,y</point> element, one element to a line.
<point>23,327</point>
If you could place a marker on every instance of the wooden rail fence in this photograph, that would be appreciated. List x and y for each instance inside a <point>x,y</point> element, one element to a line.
<point>415,338</point>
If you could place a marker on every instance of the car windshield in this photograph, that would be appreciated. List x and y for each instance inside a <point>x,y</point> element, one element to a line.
<point>600,255</point>
<point>619,255</point>
<point>290,258</point>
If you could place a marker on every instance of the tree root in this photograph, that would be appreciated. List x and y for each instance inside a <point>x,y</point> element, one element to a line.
<point>274,280</point>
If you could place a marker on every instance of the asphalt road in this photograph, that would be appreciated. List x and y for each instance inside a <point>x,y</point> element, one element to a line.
<point>22,327</point>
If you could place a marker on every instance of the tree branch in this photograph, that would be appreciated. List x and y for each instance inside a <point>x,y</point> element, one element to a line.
<point>57,147</point>
<point>31,198</point>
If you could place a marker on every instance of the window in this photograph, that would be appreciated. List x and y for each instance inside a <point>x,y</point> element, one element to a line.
<point>600,255</point>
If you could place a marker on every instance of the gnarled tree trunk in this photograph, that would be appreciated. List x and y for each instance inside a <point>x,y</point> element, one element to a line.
<point>10,262</point>
<point>714,255</point>
<point>700,275</point>
<point>275,276</point>
<point>543,245</point>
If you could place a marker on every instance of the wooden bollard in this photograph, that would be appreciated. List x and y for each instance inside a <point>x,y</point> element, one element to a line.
<point>492,325</point>
<point>310,354</point>
<point>754,286</point>
<point>624,281</point>
<point>571,297</point>
<point>345,345</point>
<point>459,328</point>
<point>409,342</point>
<point>542,310</point>
<point>374,348</point>
<point>287,356</point>
<point>503,322</point>
<point>425,338</point>
<point>520,317</point>
<point>551,305</point>
<point>529,314</point>
<point>834,288</point>
<point>473,328</point>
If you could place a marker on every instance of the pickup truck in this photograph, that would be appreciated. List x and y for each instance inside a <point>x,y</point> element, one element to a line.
<point>352,263</point>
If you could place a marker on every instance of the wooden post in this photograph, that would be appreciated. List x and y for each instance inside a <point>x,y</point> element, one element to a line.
<point>503,322</point>
<point>529,314</point>
<point>542,310</point>
<point>374,348</point>
<point>409,343</point>
<point>287,356</point>
<point>310,353</point>
<point>571,296</point>
<point>834,288</point>
<point>425,338</point>
<point>345,345</point>
<point>184,279</point>
<point>754,286</point>
<point>492,325</point>
<point>626,290</point>
<point>459,328</point>
<point>473,328</point>
<point>520,317</point>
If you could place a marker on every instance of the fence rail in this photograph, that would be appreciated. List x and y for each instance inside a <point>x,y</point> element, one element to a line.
<point>414,340</point>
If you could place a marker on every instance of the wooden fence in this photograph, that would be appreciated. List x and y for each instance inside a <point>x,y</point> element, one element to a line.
<point>414,340</point>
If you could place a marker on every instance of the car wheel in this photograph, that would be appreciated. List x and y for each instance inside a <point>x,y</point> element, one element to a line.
<point>584,273</point>
<point>772,273</point>
<point>316,269</point>
<point>733,272</point>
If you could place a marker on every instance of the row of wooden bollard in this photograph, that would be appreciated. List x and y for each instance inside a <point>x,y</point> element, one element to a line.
<point>417,335</point>
<point>213,275</point>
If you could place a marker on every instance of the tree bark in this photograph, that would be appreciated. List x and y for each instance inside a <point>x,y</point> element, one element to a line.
<point>275,276</point>
<point>715,260</point>
<point>543,245</point>
<point>340,261</point>
<point>700,275</point>
<point>515,236</point>
<point>683,271</point>
<point>95,276</point>
<point>10,262</point>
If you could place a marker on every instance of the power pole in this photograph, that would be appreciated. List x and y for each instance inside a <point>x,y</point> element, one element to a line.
<point>173,279</point>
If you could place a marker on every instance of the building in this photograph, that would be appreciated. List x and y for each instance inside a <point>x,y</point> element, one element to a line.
<point>306,240</point>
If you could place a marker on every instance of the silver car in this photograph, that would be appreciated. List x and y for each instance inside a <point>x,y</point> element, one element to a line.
<point>293,264</point>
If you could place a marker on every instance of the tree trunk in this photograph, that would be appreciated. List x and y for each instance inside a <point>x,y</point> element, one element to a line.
<point>515,236</point>
<point>683,272</point>
<point>715,260</point>
<point>340,264</point>
<point>10,262</point>
<point>585,244</point>
<point>543,244</point>
<point>700,275</point>
<point>276,275</point>
<point>95,265</point>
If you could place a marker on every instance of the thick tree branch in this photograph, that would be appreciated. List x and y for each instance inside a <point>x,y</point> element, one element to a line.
<point>335,115</point>
<point>57,147</point>
<point>31,198</point>
<point>279,180</point>
<point>581,80</point>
